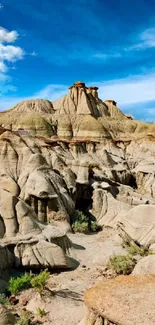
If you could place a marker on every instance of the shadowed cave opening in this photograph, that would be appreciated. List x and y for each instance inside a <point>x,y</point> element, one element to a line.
<point>133,182</point>
<point>83,199</point>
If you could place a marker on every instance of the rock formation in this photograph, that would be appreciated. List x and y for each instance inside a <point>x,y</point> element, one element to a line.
<point>121,301</point>
<point>75,153</point>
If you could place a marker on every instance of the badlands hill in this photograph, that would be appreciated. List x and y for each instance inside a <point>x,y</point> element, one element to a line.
<point>75,154</point>
<point>80,114</point>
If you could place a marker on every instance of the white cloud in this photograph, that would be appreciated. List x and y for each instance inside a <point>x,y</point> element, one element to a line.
<point>133,89</point>
<point>8,55</point>
<point>107,56</point>
<point>8,37</point>
<point>146,39</point>
<point>1,6</point>
<point>52,92</point>
<point>11,53</point>
<point>3,67</point>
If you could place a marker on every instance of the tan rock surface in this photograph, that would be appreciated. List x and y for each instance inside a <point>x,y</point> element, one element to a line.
<point>124,300</point>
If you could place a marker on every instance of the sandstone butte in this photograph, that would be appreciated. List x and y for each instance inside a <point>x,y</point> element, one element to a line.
<point>79,153</point>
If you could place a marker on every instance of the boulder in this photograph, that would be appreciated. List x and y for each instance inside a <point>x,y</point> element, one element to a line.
<point>124,300</point>
<point>139,224</point>
<point>145,266</point>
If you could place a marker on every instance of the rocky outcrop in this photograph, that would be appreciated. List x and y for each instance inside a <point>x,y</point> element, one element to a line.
<point>121,301</point>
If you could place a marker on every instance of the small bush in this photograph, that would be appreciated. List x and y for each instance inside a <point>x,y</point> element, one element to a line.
<point>122,264</point>
<point>133,249</point>
<point>79,216</point>
<point>24,319</point>
<point>40,280</point>
<point>136,250</point>
<point>20,283</point>
<point>80,227</point>
<point>3,299</point>
<point>41,312</point>
<point>95,227</point>
<point>80,222</point>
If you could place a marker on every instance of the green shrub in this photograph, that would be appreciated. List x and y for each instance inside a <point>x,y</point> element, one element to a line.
<point>133,249</point>
<point>80,227</point>
<point>41,312</point>
<point>20,283</point>
<point>122,264</point>
<point>81,223</point>
<point>40,280</point>
<point>94,226</point>
<point>24,319</point>
<point>3,299</point>
<point>136,250</point>
<point>79,216</point>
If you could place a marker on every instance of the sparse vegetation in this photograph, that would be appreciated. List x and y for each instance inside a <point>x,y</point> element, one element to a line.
<point>93,165</point>
<point>41,312</point>
<point>40,280</point>
<point>24,319</point>
<point>27,281</point>
<point>3,299</point>
<point>82,224</point>
<point>122,264</point>
<point>81,227</point>
<point>134,249</point>
<point>20,283</point>
<point>95,227</point>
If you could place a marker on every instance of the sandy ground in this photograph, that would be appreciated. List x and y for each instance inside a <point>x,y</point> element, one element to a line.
<point>64,301</point>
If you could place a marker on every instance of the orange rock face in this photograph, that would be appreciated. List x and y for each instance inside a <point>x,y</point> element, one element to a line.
<point>124,300</point>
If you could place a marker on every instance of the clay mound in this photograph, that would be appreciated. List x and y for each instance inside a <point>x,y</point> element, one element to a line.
<point>34,116</point>
<point>124,300</point>
<point>34,105</point>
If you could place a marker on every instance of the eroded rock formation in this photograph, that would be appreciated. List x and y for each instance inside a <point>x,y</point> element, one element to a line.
<point>76,153</point>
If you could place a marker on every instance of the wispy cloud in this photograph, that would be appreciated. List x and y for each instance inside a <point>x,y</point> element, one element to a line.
<point>144,40</point>
<point>133,89</point>
<point>1,6</point>
<point>33,53</point>
<point>107,56</point>
<point>52,92</point>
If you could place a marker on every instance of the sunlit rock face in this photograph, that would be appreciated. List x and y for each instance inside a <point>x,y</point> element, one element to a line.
<point>112,302</point>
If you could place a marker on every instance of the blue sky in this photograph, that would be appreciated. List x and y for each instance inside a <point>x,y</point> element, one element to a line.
<point>46,45</point>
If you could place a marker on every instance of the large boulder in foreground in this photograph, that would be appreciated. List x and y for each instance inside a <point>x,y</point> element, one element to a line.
<point>139,224</point>
<point>124,300</point>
